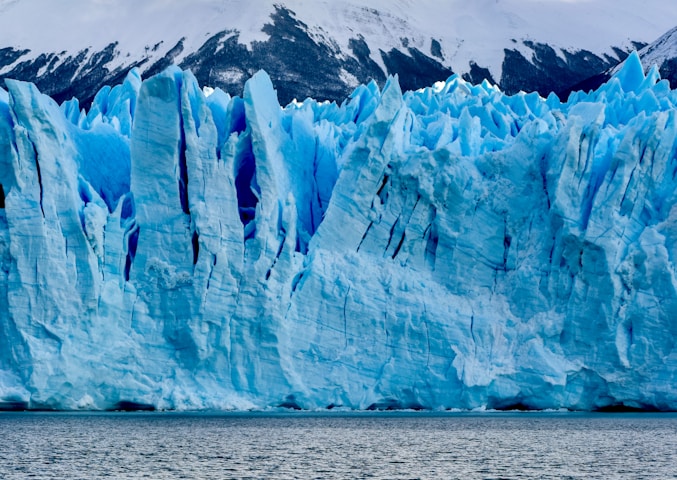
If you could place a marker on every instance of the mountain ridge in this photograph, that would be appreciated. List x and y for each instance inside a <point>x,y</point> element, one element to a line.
<point>322,49</point>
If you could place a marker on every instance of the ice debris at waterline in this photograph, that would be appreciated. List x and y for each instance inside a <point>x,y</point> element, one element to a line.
<point>449,247</point>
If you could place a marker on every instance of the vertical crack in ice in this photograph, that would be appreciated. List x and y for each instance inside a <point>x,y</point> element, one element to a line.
<point>345,318</point>
<point>382,192</point>
<point>626,206</point>
<point>472,333</point>
<point>132,238</point>
<point>544,177</point>
<point>280,248</point>
<point>431,240</point>
<point>196,246</point>
<point>427,332</point>
<point>295,282</point>
<point>246,186</point>
<point>399,246</point>
<point>583,144</point>
<point>37,169</point>
<point>211,271</point>
<point>359,245</point>
<point>595,179</point>
<point>183,169</point>
<point>390,237</point>
<point>507,241</point>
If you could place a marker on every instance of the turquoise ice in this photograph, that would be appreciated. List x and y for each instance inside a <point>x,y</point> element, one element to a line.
<point>451,247</point>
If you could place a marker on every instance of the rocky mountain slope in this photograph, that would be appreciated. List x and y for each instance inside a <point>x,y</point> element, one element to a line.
<point>322,49</point>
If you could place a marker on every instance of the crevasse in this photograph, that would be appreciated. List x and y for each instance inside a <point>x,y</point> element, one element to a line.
<point>451,247</point>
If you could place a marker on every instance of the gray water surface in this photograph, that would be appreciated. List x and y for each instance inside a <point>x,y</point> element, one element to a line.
<point>338,445</point>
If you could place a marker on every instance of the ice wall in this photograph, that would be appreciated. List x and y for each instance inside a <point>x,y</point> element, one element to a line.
<point>449,247</point>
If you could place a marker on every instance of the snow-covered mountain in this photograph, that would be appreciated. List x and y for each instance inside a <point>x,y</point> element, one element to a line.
<point>323,48</point>
<point>663,54</point>
<point>447,247</point>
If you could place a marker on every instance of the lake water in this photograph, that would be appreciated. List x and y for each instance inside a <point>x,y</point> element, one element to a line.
<point>338,445</point>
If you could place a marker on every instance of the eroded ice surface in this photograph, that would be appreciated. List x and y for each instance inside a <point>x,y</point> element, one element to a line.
<point>450,247</point>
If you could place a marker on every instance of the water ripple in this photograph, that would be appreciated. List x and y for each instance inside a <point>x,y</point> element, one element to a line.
<point>337,446</point>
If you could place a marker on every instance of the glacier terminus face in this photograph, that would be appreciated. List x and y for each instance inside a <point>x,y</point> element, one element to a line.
<point>451,247</point>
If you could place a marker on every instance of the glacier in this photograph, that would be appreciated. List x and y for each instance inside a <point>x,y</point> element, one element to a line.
<point>453,247</point>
